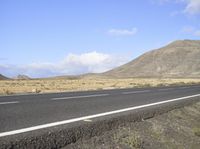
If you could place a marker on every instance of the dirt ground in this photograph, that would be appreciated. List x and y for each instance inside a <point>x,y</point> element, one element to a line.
<point>8,87</point>
<point>177,129</point>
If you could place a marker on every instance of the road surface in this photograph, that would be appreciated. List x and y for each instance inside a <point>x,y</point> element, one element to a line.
<point>25,113</point>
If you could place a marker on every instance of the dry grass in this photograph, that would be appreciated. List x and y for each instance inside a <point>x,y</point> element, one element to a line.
<point>196,131</point>
<point>60,85</point>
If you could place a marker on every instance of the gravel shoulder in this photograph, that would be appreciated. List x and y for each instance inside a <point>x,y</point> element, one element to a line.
<point>177,129</point>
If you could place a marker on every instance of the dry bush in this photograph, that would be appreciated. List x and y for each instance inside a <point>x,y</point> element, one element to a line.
<point>7,92</point>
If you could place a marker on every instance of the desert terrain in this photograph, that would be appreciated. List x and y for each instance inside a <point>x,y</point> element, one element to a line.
<point>8,87</point>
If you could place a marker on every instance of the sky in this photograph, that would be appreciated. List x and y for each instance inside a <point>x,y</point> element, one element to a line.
<point>42,38</point>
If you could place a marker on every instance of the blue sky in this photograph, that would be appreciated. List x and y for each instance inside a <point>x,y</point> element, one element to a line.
<point>43,38</point>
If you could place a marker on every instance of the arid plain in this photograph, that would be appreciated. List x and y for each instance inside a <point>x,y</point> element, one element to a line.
<point>8,87</point>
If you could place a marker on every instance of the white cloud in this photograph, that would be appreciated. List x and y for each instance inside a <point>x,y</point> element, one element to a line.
<point>72,64</point>
<point>187,29</point>
<point>190,30</point>
<point>197,33</point>
<point>93,62</point>
<point>123,32</point>
<point>92,58</point>
<point>192,7</point>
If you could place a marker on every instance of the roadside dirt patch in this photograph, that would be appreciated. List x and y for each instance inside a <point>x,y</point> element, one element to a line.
<point>177,129</point>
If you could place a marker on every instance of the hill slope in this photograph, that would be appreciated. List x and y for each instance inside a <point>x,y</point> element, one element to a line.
<point>3,77</point>
<point>178,59</point>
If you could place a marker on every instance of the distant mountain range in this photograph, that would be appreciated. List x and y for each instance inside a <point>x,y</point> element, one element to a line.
<point>178,59</point>
<point>19,77</point>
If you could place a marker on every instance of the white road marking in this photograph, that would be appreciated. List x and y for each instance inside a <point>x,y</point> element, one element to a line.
<point>135,92</point>
<point>86,96</point>
<point>184,87</point>
<point>23,130</point>
<point>11,102</point>
<point>165,89</point>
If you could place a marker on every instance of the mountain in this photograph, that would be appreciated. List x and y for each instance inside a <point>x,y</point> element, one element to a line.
<point>178,59</point>
<point>23,77</point>
<point>3,77</point>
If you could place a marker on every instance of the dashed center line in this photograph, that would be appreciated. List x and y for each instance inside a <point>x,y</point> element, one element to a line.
<point>166,89</point>
<point>11,102</point>
<point>86,96</point>
<point>135,92</point>
<point>184,87</point>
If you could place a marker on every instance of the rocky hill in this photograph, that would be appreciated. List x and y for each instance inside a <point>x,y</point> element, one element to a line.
<point>22,77</point>
<point>178,59</point>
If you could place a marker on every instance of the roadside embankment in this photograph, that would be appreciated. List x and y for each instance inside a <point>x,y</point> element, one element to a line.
<point>179,128</point>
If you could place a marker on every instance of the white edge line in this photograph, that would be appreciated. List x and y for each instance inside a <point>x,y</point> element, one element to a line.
<point>11,102</point>
<point>23,130</point>
<point>135,92</point>
<point>86,96</point>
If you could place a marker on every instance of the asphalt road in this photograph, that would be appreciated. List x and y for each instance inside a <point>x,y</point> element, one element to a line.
<point>23,113</point>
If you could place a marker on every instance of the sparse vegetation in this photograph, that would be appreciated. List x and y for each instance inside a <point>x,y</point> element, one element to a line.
<point>126,137</point>
<point>58,85</point>
<point>7,92</point>
<point>196,131</point>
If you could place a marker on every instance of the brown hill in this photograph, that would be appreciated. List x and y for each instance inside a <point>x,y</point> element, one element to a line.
<point>3,77</point>
<point>178,59</point>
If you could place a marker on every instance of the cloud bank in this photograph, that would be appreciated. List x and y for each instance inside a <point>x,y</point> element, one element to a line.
<point>72,64</point>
